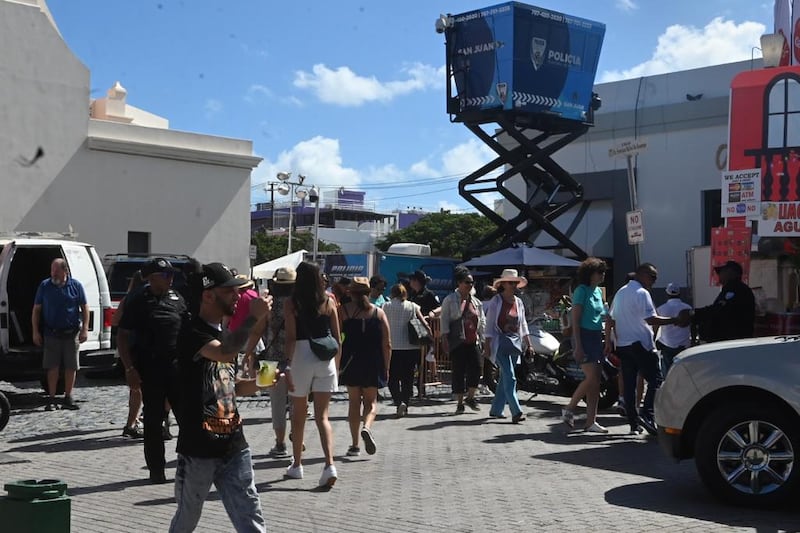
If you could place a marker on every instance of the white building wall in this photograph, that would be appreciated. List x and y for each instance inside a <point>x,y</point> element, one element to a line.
<point>191,192</point>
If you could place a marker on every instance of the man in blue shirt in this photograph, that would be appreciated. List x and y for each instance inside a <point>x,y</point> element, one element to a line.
<point>60,323</point>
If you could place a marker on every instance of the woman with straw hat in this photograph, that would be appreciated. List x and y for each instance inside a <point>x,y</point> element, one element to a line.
<point>507,337</point>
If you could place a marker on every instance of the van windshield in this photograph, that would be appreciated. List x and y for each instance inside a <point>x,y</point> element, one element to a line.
<point>122,272</point>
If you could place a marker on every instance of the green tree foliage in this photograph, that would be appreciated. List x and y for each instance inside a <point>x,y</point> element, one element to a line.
<point>273,246</point>
<point>449,235</point>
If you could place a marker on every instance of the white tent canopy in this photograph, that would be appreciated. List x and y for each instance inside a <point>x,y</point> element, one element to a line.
<point>266,270</point>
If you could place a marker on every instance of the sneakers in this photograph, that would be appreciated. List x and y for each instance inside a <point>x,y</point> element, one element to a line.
<point>635,430</point>
<point>69,404</point>
<point>133,432</point>
<point>568,417</point>
<point>353,451</point>
<point>369,441</point>
<point>295,472</point>
<point>328,477</point>
<point>472,403</point>
<point>51,405</point>
<point>402,410</point>
<point>648,424</point>
<point>596,428</point>
<point>501,415</point>
<point>279,450</point>
<point>517,418</point>
<point>460,409</point>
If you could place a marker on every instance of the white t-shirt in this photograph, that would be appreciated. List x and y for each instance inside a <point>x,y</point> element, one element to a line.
<point>674,336</point>
<point>631,306</point>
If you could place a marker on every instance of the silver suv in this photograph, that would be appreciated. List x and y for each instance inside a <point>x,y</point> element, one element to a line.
<point>735,407</point>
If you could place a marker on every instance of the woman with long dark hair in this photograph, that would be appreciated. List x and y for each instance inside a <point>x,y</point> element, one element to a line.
<point>366,352</point>
<point>463,312</point>
<point>310,313</point>
<point>588,313</point>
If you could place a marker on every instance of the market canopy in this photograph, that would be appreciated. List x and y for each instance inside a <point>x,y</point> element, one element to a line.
<point>266,270</point>
<point>522,256</point>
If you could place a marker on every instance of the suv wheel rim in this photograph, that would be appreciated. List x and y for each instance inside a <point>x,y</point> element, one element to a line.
<point>755,457</point>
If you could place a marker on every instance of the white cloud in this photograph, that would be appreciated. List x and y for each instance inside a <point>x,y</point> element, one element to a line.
<point>687,47</point>
<point>256,92</point>
<point>466,158</point>
<point>626,5</point>
<point>345,88</point>
<point>449,206</point>
<point>318,158</point>
<point>212,107</point>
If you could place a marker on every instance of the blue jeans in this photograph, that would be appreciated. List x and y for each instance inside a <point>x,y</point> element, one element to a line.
<point>506,387</point>
<point>638,360</point>
<point>233,477</point>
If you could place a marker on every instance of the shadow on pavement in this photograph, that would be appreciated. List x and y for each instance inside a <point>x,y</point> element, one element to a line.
<point>454,420</point>
<point>687,498</point>
<point>108,487</point>
<point>677,489</point>
<point>75,445</point>
<point>57,435</point>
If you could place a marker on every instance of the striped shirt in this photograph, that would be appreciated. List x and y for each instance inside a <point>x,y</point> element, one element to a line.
<point>399,312</point>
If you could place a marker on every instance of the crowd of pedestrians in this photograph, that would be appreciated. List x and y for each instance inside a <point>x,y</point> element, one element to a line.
<point>194,352</point>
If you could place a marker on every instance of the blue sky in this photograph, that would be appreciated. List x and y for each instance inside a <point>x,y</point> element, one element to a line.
<point>353,93</point>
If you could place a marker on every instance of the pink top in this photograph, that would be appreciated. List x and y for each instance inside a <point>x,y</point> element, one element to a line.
<point>242,309</point>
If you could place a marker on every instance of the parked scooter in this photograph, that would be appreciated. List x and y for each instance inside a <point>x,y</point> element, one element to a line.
<point>549,368</point>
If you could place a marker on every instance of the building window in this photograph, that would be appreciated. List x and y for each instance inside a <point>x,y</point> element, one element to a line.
<point>138,242</point>
<point>783,114</point>
<point>712,213</point>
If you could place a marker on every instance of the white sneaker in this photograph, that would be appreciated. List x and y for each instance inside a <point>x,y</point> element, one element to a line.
<point>568,417</point>
<point>596,428</point>
<point>328,477</point>
<point>295,472</point>
<point>402,409</point>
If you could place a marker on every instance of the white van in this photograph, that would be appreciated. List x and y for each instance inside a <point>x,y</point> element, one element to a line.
<point>24,263</point>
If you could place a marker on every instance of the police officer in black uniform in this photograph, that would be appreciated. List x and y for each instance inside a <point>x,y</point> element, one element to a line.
<point>147,342</point>
<point>732,315</point>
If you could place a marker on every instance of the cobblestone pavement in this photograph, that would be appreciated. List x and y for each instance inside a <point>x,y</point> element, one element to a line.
<point>434,471</point>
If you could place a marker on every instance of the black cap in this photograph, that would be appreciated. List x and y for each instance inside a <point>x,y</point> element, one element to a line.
<point>420,276</point>
<point>157,264</point>
<point>218,275</point>
<point>732,265</point>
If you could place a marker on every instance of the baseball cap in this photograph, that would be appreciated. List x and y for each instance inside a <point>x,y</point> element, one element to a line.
<point>673,289</point>
<point>157,264</point>
<point>733,265</point>
<point>219,275</point>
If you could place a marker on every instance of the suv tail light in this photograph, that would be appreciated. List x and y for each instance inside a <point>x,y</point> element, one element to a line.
<point>108,312</point>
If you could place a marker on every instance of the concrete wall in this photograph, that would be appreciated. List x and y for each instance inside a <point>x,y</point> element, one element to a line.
<point>103,179</point>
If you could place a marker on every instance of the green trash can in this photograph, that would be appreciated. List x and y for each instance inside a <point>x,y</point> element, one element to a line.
<point>35,506</point>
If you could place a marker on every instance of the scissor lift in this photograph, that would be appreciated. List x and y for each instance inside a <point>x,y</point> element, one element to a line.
<point>530,72</point>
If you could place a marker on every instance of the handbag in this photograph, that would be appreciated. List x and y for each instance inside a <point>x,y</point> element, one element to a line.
<point>417,331</point>
<point>456,335</point>
<point>324,347</point>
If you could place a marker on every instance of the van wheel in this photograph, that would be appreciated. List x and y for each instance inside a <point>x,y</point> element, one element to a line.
<point>59,385</point>
<point>747,455</point>
<point>5,410</point>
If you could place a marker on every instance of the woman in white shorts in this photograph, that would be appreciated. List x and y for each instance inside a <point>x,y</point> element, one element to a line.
<point>310,313</point>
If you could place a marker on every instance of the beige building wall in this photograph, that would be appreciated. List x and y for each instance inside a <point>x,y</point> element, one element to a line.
<point>103,178</point>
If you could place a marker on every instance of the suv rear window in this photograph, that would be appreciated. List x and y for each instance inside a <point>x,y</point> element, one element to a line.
<point>121,272</point>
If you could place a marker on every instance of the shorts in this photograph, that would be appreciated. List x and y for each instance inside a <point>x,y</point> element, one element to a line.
<point>309,373</point>
<point>61,351</point>
<point>592,342</point>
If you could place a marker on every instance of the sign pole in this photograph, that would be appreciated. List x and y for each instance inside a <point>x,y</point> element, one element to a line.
<point>634,202</point>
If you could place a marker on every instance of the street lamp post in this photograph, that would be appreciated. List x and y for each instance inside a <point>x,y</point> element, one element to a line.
<point>313,195</point>
<point>291,188</point>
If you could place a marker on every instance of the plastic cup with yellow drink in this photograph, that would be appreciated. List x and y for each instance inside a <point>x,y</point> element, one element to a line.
<point>267,372</point>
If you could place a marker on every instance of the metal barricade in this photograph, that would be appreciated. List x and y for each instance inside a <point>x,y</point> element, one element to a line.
<point>436,372</point>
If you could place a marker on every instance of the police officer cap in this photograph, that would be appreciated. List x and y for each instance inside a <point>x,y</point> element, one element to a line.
<point>218,275</point>
<point>732,265</point>
<point>157,264</point>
